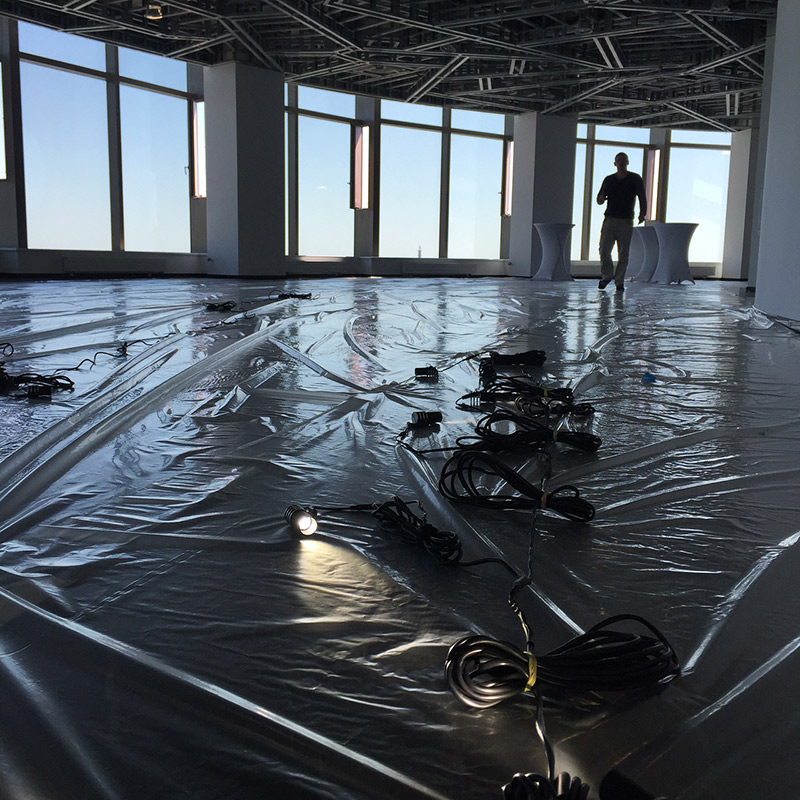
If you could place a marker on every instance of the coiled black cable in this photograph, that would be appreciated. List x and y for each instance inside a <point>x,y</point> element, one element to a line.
<point>30,380</point>
<point>530,432</point>
<point>397,517</point>
<point>6,348</point>
<point>532,786</point>
<point>483,672</point>
<point>458,483</point>
<point>539,406</point>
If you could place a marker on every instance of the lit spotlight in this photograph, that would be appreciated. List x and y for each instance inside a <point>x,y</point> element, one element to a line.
<point>303,520</point>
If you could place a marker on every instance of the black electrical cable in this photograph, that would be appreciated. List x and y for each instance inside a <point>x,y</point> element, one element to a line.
<point>397,517</point>
<point>483,672</point>
<point>537,406</point>
<point>227,305</point>
<point>529,432</point>
<point>35,385</point>
<point>532,786</point>
<point>458,483</point>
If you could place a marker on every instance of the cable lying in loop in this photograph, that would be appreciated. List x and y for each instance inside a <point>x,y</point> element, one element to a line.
<point>483,672</point>
<point>458,482</point>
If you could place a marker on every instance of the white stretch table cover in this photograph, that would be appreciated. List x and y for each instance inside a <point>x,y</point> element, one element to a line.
<point>646,241</point>
<point>673,252</point>
<point>164,635</point>
<point>554,237</point>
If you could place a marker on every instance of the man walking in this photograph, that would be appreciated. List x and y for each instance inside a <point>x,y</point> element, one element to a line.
<point>620,190</point>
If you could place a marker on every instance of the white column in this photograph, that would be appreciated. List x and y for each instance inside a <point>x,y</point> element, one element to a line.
<point>778,284</point>
<point>739,214</point>
<point>245,170</point>
<point>544,174</point>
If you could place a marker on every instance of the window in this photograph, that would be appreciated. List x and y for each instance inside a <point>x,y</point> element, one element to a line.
<point>325,219</point>
<point>619,133</point>
<point>150,68</point>
<point>66,166</point>
<point>577,203</point>
<point>200,188</point>
<point>698,192</point>
<point>411,112</point>
<point>701,137</point>
<point>476,169</point>
<point>325,102</point>
<point>409,190</point>
<point>477,121</point>
<point>155,171</point>
<point>39,41</point>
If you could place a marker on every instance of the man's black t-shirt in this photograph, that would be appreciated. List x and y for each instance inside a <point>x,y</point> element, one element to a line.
<point>622,194</point>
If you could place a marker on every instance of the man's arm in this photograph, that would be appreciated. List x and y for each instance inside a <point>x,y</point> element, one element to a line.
<point>642,195</point>
<point>601,195</point>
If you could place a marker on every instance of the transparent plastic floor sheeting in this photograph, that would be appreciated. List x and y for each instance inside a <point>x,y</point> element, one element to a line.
<point>165,634</point>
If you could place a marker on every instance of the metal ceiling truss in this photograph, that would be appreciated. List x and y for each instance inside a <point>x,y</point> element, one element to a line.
<point>665,62</point>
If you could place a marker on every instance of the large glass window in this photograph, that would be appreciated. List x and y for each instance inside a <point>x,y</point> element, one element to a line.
<point>476,168</point>
<point>577,202</point>
<point>477,121</point>
<point>698,192</point>
<point>410,177</point>
<point>326,102</point>
<point>411,112</point>
<point>700,137</point>
<point>325,219</point>
<point>155,171</point>
<point>39,41</point>
<point>620,133</point>
<point>66,164</point>
<point>154,69</point>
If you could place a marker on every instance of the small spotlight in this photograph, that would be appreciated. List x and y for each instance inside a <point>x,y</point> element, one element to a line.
<point>303,520</point>
<point>153,11</point>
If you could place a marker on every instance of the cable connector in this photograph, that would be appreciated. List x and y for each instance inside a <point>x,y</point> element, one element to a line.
<point>426,373</point>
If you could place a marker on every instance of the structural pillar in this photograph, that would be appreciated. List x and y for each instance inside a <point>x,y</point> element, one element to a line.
<point>245,170</point>
<point>778,284</point>
<point>544,174</point>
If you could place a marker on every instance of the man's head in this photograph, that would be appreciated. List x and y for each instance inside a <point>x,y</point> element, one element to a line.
<point>621,161</point>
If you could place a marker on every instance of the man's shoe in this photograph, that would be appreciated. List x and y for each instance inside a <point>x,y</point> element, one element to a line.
<point>603,284</point>
<point>620,287</point>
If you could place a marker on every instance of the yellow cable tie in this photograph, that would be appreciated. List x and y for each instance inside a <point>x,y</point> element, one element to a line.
<point>544,393</point>
<point>543,501</point>
<point>532,671</point>
<point>555,436</point>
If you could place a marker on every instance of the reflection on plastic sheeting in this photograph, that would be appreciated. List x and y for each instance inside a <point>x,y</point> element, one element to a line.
<point>164,633</point>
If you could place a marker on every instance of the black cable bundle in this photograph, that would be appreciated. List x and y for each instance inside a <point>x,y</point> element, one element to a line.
<point>529,432</point>
<point>35,386</point>
<point>228,305</point>
<point>538,406</point>
<point>483,672</point>
<point>505,384</point>
<point>533,358</point>
<point>458,484</point>
<point>396,516</point>
<point>538,787</point>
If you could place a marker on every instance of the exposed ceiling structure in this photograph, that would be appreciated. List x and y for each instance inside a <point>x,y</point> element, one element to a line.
<point>697,63</point>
